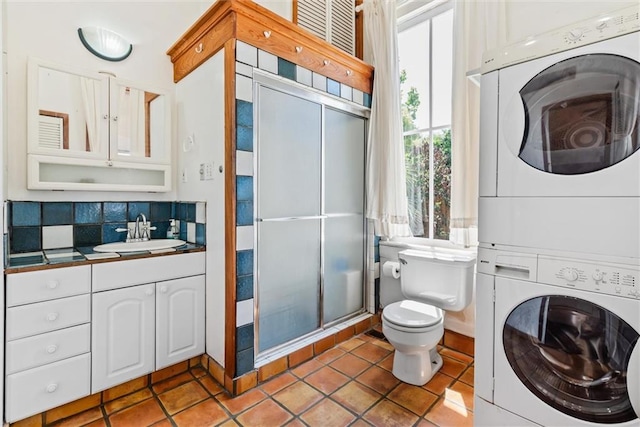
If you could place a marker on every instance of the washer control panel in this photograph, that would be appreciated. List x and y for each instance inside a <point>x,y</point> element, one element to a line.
<point>612,279</point>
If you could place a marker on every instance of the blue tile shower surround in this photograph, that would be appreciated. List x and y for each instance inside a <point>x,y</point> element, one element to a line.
<point>244,187</point>
<point>93,223</point>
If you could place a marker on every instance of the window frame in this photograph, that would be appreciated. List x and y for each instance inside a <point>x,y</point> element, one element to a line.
<point>405,22</point>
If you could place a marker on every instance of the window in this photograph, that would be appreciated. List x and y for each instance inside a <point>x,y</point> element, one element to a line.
<point>425,49</point>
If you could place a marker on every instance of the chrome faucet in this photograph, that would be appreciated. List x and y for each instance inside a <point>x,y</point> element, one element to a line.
<point>137,233</point>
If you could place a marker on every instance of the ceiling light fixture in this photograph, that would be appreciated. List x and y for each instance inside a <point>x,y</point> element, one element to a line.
<point>104,43</point>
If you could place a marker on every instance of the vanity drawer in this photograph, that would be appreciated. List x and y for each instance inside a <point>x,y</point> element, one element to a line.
<point>27,353</point>
<point>44,285</point>
<point>33,319</point>
<point>36,390</point>
<point>121,274</point>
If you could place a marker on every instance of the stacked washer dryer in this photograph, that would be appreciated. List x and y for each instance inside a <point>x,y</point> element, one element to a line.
<point>558,282</point>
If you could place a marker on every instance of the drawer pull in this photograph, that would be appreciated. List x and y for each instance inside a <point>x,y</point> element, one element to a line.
<point>52,387</point>
<point>52,284</point>
<point>163,289</point>
<point>199,48</point>
<point>149,292</point>
<point>52,348</point>
<point>52,317</point>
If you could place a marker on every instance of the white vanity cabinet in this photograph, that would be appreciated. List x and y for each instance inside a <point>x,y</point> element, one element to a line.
<point>147,314</point>
<point>179,320</point>
<point>47,345</point>
<point>123,327</point>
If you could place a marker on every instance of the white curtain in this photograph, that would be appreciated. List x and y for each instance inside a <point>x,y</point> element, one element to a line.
<point>478,26</point>
<point>131,122</point>
<point>386,181</point>
<point>91,89</point>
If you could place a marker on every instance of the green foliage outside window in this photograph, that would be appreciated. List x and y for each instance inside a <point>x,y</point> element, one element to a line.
<point>418,168</point>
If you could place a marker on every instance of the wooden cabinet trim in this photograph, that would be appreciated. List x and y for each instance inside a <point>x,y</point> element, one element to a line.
<point>249,21</point>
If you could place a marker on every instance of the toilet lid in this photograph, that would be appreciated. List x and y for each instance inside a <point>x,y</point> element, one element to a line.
<point>412,314</point>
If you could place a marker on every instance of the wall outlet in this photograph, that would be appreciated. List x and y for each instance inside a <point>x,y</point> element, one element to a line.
<point>208,171</point>
<point>201,171</point>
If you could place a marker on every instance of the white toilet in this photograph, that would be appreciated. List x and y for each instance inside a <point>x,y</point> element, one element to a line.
<point>430,280</point>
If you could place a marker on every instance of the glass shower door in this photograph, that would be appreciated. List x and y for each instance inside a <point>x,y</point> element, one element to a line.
<point>289,224</point>
<point>344,205</point>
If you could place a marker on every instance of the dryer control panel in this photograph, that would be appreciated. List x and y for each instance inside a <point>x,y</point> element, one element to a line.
<point>612,279</point>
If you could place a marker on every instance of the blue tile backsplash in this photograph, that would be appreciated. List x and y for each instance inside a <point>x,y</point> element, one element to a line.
<point>92,223</point>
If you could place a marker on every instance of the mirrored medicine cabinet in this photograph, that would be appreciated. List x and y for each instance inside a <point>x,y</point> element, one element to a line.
<point>93,131</point>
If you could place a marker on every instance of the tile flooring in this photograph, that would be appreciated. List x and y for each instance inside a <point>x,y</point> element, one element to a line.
<point>349,385</point>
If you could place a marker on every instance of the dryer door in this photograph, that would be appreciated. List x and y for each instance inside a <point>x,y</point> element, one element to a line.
<point>569,123</point>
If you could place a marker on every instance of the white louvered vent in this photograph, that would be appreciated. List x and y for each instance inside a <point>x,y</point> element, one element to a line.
<point>312,16</point>
<point>343,25</point>
<point>331,20</point>
<point>50,132</point>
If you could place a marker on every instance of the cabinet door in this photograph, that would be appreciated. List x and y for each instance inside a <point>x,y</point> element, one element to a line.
<point>179,320</point>
<point>123,332</point>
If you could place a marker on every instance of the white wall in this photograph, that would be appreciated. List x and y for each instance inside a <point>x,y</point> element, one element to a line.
<point>283,8</point>
<point>48,30</point>
<point>200,106</point>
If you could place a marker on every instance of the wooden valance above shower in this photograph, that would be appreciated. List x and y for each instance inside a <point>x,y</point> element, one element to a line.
<point>253,24</point>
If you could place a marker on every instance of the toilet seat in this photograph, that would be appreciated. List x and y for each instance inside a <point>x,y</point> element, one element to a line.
<point>412,315</point>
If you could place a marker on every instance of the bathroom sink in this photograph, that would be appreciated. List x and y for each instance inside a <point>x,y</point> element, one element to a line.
<point>149,245</point>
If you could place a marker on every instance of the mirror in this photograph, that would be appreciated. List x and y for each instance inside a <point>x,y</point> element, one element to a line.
<point>97,116</point>
<point>138,122</point>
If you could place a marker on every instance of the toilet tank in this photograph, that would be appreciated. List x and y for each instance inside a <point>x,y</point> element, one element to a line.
<point>440,277</point>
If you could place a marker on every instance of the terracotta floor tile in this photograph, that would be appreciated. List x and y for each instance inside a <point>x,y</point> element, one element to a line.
<point>438,384</point>
<point>327,413</point>
<point>99,423</point>
<point>350,365</point>
<point>468,376</point>
<point>198,371</point>
<point>448,414</point>
<point>298,397</point>
<point>371,352</point>
<point>229,423</point>
<point>360,423</point>
<point>460,394</point>
<point>326,380</point>
<point>237,404</point>
<point>378,379</point>
<point>278,383</point>
<point>351,344</point>
<point>425,423</point>
<point>267,414</point>
<point>163,423</point>
<point>295,423</point>
<point>387,363</point>
<point>461,357</point>
<point>452,367</point>
<point>383,344</point>
<point>211,385</point>
<point>356,397</point>
<point>142,414</point>
<point>387,413</point>
<point>330,355</point>
<point>172,382</point>
<point>128,400</point>
<point>179,398</point>
<point>306,368</point>
<point>81,419</point>
<point>413,398</point>
<point>207,413</point>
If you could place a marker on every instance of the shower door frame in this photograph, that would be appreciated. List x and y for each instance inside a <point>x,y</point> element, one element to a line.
<point>292,88</point>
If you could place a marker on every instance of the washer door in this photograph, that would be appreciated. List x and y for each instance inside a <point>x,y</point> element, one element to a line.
<point>574,355</point>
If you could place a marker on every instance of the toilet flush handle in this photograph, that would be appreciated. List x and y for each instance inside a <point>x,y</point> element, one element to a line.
<point>402,261</point>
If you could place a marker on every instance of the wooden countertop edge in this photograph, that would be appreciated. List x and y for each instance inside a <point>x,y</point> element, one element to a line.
<point>13,270</point>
